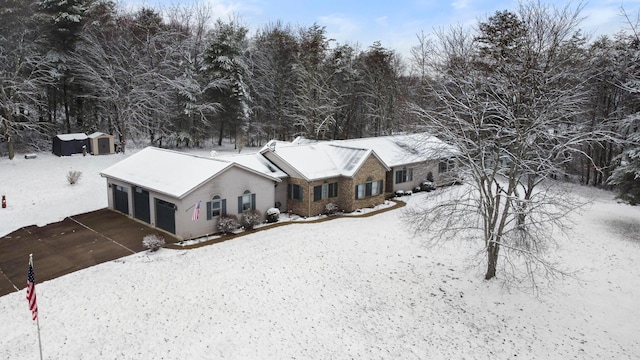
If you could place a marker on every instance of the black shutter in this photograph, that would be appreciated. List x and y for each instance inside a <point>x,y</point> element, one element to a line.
<point>317,193</point>
<point>253,201</point>
<point>239,204</point>
<point>223,211</point>
<point>208,210</point>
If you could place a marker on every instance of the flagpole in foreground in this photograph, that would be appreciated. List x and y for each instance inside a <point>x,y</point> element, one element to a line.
<point>31,298</point>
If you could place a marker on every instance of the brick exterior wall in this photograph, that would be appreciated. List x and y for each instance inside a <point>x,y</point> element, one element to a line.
<point>345,201</point>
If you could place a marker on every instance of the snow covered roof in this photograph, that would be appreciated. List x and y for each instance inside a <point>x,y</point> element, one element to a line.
<point>397,150</point>
<point>97,134</point>
<point>255,162</point>
<point>321,160</point>
<point>170,172</point>
<point>74,136</point>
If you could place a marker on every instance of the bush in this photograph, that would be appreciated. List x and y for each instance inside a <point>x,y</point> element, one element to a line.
<point>251,218</point>
<point>153,242</point>
<point>227,223</point>
<point>272,215</point>
<point>427,186</point>
<point>330,209</point>
<point>73,176</point>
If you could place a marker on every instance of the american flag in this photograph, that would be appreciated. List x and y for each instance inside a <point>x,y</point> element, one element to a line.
<point>196,212</point>
<point>31,291</point>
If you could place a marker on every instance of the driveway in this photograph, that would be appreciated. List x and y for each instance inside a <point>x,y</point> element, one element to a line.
<point>75,243</point>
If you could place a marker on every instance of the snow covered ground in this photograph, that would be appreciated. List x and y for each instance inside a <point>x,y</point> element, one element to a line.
<point>350,288</point>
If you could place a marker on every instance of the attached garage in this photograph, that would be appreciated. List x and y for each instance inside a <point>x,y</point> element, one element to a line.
<point>69,144</point>
<point>185,194</point>
<point>101,144</point>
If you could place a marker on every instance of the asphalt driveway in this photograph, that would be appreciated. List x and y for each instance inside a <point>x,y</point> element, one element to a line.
<point>75,243</point>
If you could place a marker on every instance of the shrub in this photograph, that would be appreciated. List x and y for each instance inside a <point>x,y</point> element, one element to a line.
<point>153,242</point>
<point>73,176</point>
<point>251,218</point>
<point>330,209</point>
<point>227,223</point>
<point>272,215</point>
<point>427,186</point>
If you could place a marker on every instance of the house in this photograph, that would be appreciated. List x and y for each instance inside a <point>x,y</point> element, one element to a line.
<point>412,159</point>
<point>165,189</point>
<point>69,144</point>
<point>101,144</point>
<point>325,172</point>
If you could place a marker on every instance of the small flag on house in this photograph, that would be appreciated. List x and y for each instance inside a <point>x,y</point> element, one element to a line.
<point>31,290</point>
<point>196,212</point>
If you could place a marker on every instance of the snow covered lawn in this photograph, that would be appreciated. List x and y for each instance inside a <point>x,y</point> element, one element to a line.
<point>347,288</point>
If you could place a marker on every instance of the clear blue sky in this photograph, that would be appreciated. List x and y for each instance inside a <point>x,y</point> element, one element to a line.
<point>394,23</point>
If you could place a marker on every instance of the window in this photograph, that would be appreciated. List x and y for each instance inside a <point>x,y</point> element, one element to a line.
<point>325,191</point>
<point>370,188</point>
<point>404,175</point>
<point>246,202</point>
<point>446,165</point>
<point>216,207</point>
<point>294,192</point>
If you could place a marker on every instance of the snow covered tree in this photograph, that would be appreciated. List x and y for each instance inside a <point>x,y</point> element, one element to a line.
<point>120,66</point>
<point>20,76</point>
<point>274,56</point>
<point>379,91</point>
<point>626,177</point>
<point>511,99</point>
<point>314,100</point>
<point>61,24</point>
<point>228,69</point>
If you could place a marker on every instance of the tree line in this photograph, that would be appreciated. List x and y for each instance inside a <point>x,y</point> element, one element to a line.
<point>176,77</point>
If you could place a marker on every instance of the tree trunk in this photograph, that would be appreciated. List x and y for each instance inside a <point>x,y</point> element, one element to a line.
<point>221,131</point>
<point>492,259</point>
<point>65,101</point>
<point>10,148</point>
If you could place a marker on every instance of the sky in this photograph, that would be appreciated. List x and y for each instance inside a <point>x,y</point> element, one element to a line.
<point>394,23</point>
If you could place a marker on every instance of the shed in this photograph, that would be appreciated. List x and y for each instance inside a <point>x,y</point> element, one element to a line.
<point>101,144</point>
<point>69,144</point>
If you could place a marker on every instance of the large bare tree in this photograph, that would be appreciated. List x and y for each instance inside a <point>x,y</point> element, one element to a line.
<point>510,98</point>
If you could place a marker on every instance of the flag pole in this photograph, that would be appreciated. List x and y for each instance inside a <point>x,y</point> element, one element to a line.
<point>37,317</point>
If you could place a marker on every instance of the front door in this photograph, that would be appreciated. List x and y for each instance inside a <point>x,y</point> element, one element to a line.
<point>166,216</point>
<point>141,208</point>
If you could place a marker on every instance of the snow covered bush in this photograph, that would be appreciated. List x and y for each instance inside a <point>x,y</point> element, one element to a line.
<point>73,176</point>
<point>153,242</point>
<point>330,209</point>
<point>251,218</point>
<point>227,223</point>
<point>272,215</point>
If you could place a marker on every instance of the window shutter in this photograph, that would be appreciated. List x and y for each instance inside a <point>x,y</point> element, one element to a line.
<point>356,192</point>
<point>317,193</point>
<point>208,210</point>
<point>253,201</point>
<point>380,187</point>
<point>223,211</point>
<point>239,204</point>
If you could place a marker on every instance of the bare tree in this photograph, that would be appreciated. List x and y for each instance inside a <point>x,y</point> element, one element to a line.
<point>510,98</point>
<point>20,75</point>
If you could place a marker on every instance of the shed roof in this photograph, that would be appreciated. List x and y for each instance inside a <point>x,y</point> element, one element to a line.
<point>74,136</point>
<point>170,172</point>
<point>98,134</point>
